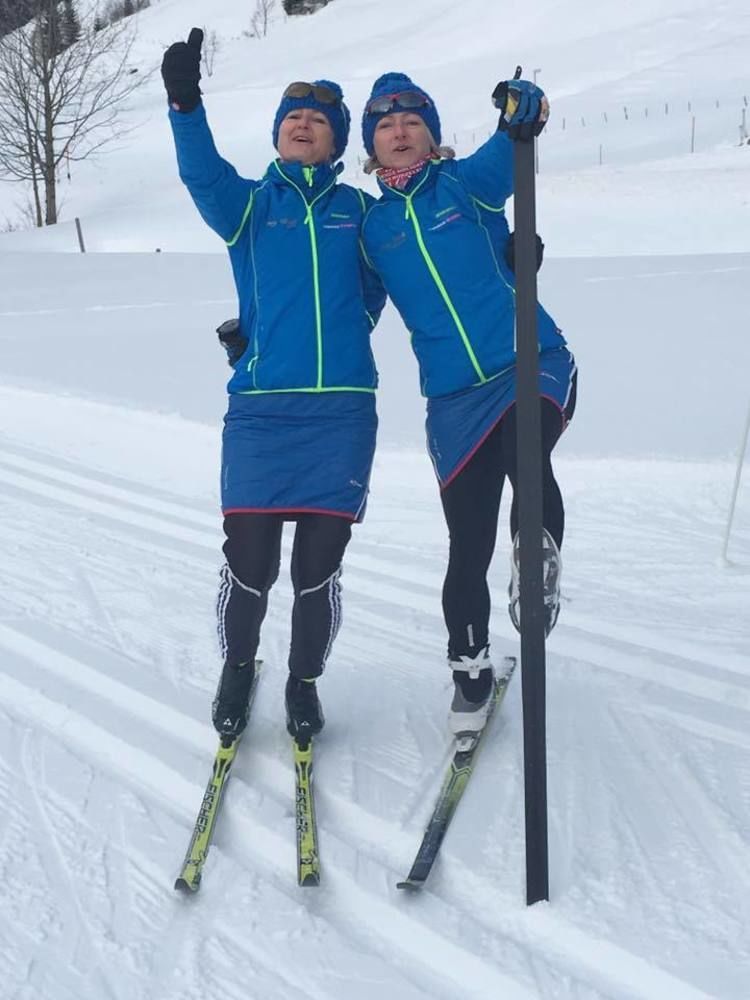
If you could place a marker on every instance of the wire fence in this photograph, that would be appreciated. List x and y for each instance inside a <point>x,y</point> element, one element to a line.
<point>628,133</point>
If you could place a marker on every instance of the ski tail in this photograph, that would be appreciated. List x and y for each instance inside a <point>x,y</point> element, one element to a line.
<point>189,879</point>
<point>453,787</point>
<point>308,857</point>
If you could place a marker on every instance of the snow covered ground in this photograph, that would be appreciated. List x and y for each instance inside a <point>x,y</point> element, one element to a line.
<point>110,402</point>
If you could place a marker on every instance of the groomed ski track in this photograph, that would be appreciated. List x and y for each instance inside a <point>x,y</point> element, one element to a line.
<point>109,664</point>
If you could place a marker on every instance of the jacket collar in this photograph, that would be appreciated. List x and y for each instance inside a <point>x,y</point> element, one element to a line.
<point>414,182</point>
<point>310,181</point>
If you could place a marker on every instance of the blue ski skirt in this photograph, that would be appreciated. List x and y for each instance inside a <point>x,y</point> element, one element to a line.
<point>458,424</point>
<point>298,453</point>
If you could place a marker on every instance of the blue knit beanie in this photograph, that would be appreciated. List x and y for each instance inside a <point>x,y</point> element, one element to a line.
<point>396,83</point>
<point>337,115</point>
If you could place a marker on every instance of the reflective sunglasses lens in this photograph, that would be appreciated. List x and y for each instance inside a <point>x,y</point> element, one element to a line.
<point>411,99</point>
<point>324,95</point>
<point>408,99</point>
<point>298,89</point>
<point>380,105</point>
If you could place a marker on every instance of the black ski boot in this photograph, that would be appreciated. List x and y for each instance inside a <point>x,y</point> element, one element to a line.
<point>304,715</point>
<point>230,705</point>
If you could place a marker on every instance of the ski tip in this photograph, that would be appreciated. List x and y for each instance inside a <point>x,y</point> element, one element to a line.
<point>312,878</point>
<point>411,885</point>
<point>182,885</point>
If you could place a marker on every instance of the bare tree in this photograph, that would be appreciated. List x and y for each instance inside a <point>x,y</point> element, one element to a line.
<point>60,103</point>
<point>211,46</point>
<point>260,17</point>
<point>26,218</point>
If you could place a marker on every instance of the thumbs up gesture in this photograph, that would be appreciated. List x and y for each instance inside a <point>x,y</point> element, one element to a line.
<point>180,70</point>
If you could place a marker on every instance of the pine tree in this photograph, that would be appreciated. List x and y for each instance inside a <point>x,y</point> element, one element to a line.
<point>128,8</point>
<point>293,7</point>
<point>49,30</point>
<point>70,23</point>
<point>15,13</point>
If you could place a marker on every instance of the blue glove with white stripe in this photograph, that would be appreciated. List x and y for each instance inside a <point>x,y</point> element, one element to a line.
<point>524,109</point>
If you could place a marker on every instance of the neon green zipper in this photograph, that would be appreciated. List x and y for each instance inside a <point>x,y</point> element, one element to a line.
<point>411,214</point>
<point>314,249</point>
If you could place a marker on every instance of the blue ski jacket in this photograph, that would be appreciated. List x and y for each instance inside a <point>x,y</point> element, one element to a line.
<point>308,301</point>
<point>438,246</point>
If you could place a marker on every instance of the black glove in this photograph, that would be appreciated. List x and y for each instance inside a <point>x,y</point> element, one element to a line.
<point>510,252</point>
<point>180,70</point>
<point>232,340</point>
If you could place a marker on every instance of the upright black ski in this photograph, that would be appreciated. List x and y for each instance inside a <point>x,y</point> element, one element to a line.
<point>530,509</point>
<point>189,879</point>
<point>454,784</point>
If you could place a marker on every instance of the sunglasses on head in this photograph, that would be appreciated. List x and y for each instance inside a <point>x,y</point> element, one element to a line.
<point>407,99</point>
<point>321,93</point>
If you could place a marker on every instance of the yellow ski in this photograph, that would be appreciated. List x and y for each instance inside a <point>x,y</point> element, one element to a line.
<point>189,879</point>
<point>308,861</point>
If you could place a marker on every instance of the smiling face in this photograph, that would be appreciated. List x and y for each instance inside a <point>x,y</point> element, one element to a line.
<point>400,139</point>
<point>305,136</point>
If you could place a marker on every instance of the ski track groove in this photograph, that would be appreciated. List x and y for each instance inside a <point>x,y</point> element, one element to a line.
<point>346,902</point>
<point>701,686</point>
<point>507,926</point>
<point>721,845</point>
<point>630,664</point>
<point>152,890</point>
<point>27,977</point>
<point>54,862</point>
<point>632,635</point>
<point>613,969</point>
<point>716,691</point>
<point>640,853</point>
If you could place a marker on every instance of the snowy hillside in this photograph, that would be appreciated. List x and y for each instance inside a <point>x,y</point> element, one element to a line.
<point>111,396</point>
<point>682,55</point>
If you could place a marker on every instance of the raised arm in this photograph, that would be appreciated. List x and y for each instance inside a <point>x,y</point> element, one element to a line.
<point>221,196</point>
<point>488,173</point>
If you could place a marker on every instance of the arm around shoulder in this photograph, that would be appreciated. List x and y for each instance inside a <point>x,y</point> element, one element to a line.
<point>373,289</point>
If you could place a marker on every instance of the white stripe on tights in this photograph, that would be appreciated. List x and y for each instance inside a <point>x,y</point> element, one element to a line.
<point>334,602</point>
<point>222,600</point>
<point>319,586</point>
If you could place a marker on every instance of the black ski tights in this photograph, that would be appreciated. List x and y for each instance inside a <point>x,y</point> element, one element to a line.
<point>253,553</point>
<point>471,503</point>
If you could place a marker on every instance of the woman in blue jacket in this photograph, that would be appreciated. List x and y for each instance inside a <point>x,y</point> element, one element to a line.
<point>299,433</point>
<point>439,239</point>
